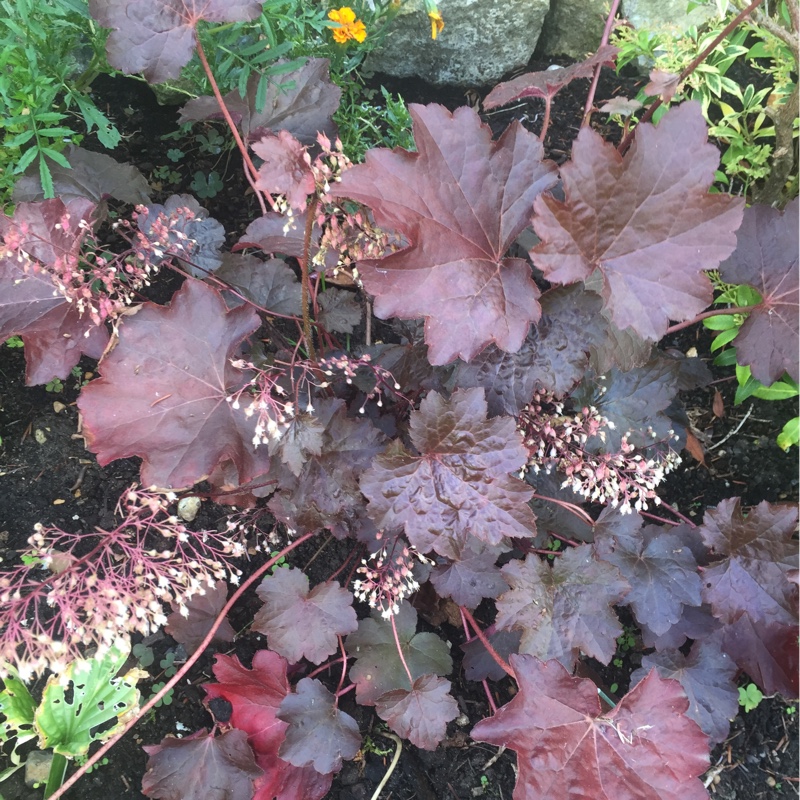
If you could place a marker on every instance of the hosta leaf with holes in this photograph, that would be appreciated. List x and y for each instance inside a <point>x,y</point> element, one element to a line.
<point>459,201</point>
<point>565,609</point>
<point>78,706</point>
<point>421,713</point>
<point>646,748</point>
<point>164,388</point>
<point>645,220</point>
<point>319,735</point>
<point>460,484</point>
<point>301,623</point>
<point>378,668</point>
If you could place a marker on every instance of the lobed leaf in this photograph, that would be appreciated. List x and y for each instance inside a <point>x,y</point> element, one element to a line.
<point>460,201</point>
<point>285,170</point>
<point>460,485</point>
<point>203,612</point>
<point>644,220</point>
<point>269,284</point>
<point>470,575</point>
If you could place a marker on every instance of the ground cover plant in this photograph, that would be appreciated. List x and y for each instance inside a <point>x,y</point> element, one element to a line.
<point>506,398</point>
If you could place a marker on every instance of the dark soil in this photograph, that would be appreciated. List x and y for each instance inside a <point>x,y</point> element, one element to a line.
<point>47,476</point>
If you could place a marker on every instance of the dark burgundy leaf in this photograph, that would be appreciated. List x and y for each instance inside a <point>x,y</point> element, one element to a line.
<point>646,748</point>
<point>707,676</point>
<point>341,312</point>
<point>663,84</point>
<point>301,623</point>
<point>162,395</point>
<point>56,335</point>
<point>420,714</point>
<point>766,258</point>
<point>624,350</point>
<point>471,575</point>
<point>460,485</point>
<point>201,767</point>
<point>645,221</point>
<point>285,170</point>
<point>378,668</point>
<point>696,622</point>
<point>157,37</point>
<point>301,102</point>
<point>203,235</point>
<point>302,440</point>
<point>661,571</point>
<point>564,609</point>
<point>551,516</point>
<point>460,201</point>
<point>326,493</point>
<point>92,175</point>
<point>479,664</point>
<point>203,611</point>
<point>319,734</point>
<point>553,356</point>
<point>548,82</point>
<point>269,284</point>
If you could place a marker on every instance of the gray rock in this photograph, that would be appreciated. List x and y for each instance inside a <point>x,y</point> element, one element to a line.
<point>664,13</point>
<point>482,40</point>
<point>573,28</point>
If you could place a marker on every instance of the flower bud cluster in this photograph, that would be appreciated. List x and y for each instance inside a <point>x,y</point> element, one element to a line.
<point>387,578</point>
<point>349,366</point>
<point>557,440</point>
<point>57,603</point>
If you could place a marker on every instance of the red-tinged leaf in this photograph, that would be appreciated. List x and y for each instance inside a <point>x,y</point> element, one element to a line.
<point>269,284</point>
<point>548,82</point>
<point>766,651</point>
<point>460,485</point>
<point>92,175</point>
<point>203,611</point>
<point>420,714</point>
<point>553,356</point>
<point>695,449</point>
<point>319,734</point>
<point>378,668</point>
<point>623,106</point>
<point>479,664</point>
<point>326,493</point>
<point>460,201</point>
<point>663,84</point>
<point>157,37</point>
<point>644,749</point>
<point>56,335</point>
<point>645,221</point>
<point>284,781</point>
<point>766,258</point>
<point>301,623</point>
<point>757,553</point>
<point>718,405</point>
<point>276,233</point>
<point>696,622</point>
<point>285,170</point>
<point>707,676</point>
<point>301,102</point>
<point>341,312</point>
<point>471,575</point>
<point>162,395</point>
<point>564,609</point>
<point>661,571</point>
<point>201,767</point>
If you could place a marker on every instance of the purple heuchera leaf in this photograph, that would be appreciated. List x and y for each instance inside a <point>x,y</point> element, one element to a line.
<point>54,332</point>
<point>341,312</point>
<point>301,623</point>
<point>707,676</point>
<point>163,392</point>
<point>564,609</point>
<point>269,284</point>
<point>420,714</point>
<point>664,84</point>
<point>459,485</point>
<point>285,169</point>
<point>646,747</point>
<point>319,734</point>
<point>479,664</point>
<point>766,259</point>
<point>549,82</point>
<point>644,220</point>
<point>471,575</point>
<point>460,201</point>
<point>157,37</point>
<point>203,612</point>
<point>201,767</point>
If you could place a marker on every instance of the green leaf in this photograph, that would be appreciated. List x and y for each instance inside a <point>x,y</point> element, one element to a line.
<point>726,337</point>
<point>56,133</point>
<point>107,132</point>
<point>783,389</point>
<point>59,158</point>
<point>723,322</point>
<point>26,159</point>
<point>713,82</point>
<point>727,358</point>
<point>19,139</point>
<point>18,707</point>
<point>98,700</point>
<point>790,435</point>
<point>747,384</point>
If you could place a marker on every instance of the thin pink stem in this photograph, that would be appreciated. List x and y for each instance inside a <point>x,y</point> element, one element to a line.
<point>343,692</point>
<point>706,314</point>
<point>677,514</point>
<point>659,519</point>
<point>571,507</point>
<point>587,109</point>
<point>548,102</point>
<point>564,539</point>
<point>400,651</point>
<point>92,760</point>
<point>489,697</point>
<point>344,666</point>
<point>323,667</point>
<point>485,642</point>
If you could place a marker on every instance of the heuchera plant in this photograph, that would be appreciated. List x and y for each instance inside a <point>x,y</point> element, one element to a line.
<point>510,388</point>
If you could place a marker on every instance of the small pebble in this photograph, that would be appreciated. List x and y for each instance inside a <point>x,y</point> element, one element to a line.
<point>188,508</point>
<point>37,767</point>
<point>771,782</point>
<point>59,407</point>
<point>40,436</point>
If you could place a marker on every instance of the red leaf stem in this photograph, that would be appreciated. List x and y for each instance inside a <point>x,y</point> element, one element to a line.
<point>485,642</point>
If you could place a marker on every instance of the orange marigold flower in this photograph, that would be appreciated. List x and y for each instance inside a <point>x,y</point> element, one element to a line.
<point>348,26</point>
